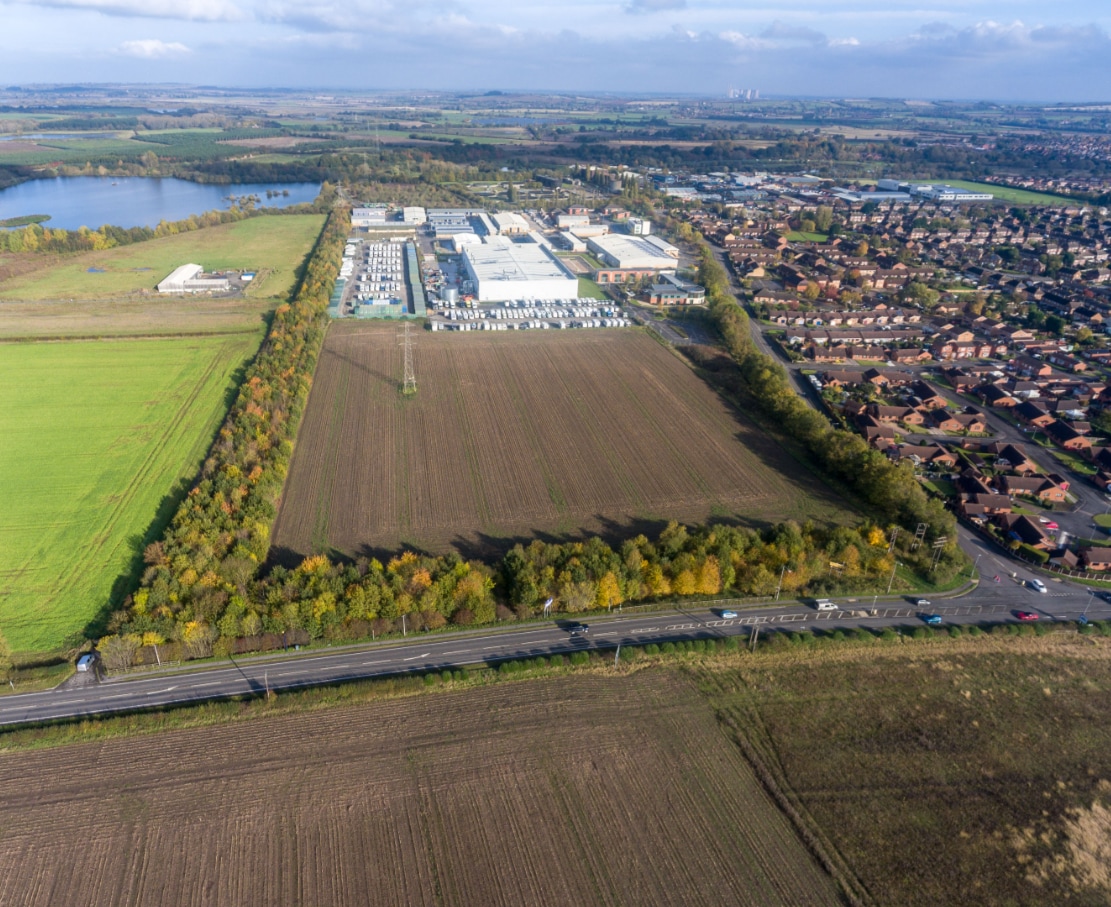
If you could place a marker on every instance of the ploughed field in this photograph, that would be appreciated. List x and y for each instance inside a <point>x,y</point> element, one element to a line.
<point>514,435</point>
<point>584,790</point>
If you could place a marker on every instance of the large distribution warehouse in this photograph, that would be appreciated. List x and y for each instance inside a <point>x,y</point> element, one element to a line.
<point>503,270</point>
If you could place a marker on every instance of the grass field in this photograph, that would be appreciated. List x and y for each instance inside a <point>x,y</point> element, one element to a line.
<point>796,236</point>
<point>273,245</point>
<point>93,436</point>
<point>588,289</point>
<point>512,435</point>
<point>1017,196</point>
<point>946,773</point>
<point>578,790</point>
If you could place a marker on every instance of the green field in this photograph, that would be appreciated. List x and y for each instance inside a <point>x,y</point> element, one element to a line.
<point>273,245</point>
<point>1018,196</point>
<point>93,437</point>
<point>796,236</point>
<point>588,289</point>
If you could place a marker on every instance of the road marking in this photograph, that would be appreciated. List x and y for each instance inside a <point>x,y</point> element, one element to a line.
<point>416,657</point>
<point>213,683</point>
<point>151,693</point>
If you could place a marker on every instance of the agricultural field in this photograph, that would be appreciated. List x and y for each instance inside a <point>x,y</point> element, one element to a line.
<point>273,245</point>
<point>512,436</point>
<point>94,437</point>
<point>951,772</point>
<point>574,790</point>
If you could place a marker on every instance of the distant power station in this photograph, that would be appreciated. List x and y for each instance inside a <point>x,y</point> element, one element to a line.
<point>744,94</point>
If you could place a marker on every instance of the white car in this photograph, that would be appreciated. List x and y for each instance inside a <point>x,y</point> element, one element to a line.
<point>1037,585</point>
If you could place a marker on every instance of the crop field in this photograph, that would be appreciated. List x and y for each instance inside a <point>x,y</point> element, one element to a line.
<point>583,790</point>
<point>514,435</point>
<point>274,245</point>
<point>93,437</point>
<point>956,772</point>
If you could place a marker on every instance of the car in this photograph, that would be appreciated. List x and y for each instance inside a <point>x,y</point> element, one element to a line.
<point>578,629</point>
<point>1052,526</point>
<point>1027,615</point>
<point>1037,585</point>
<point>824,604</point>
<point>932,619</point>
<point>922,603</point>
<point>728,615</point>
<point>86,662</point>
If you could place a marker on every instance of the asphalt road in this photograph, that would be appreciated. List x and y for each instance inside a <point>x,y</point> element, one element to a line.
<point>992,602</point>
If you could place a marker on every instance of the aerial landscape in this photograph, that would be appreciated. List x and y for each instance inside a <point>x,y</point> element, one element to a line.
<point>468,456</point>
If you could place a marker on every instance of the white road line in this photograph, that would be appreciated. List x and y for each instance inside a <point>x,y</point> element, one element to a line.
<point>213,683</point>
<point>416,657</point>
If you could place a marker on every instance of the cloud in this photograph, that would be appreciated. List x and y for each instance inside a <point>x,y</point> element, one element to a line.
<point>152,49</point>
<point>194,10</point>
<point>780,31</point>
<point>646,7</point>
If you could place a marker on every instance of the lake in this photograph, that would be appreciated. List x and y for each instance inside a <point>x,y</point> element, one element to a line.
<point>134,201</point>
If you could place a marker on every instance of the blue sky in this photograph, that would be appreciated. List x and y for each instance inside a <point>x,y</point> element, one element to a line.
<point>995,49</point>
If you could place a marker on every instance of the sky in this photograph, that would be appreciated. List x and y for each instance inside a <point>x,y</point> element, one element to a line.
<point>1022,50</point>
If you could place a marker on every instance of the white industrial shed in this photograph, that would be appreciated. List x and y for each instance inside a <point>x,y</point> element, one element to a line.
<point>510,223</point>
<point>504,270</point>
<point>634,252</point>
<point>188,279</point>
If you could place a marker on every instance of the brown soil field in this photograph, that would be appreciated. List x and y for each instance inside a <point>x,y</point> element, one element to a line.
<point>567,791</point>
<point>514,436</point>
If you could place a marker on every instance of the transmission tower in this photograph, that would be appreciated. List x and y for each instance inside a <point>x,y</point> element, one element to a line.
<point>409,384</point>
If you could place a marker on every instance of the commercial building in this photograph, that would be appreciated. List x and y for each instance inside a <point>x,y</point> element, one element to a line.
<point>932,191</point>
<point>639,252</point>
<point>505,270</point>
<point>414,216</point>
<point>509,223</point>
<point>369,217</point>
<point>189,279</point>
<point>673,290</point>
<point>639,226</point>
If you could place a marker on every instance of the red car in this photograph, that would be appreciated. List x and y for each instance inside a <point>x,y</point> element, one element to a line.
<point>1027,615</point>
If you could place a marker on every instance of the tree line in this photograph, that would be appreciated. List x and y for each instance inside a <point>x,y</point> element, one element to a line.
<point>891,490</point>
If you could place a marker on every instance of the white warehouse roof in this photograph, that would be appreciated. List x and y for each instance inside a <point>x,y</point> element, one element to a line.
<point>640,252</point>
<point>175,280</point>
<point>507,270</point>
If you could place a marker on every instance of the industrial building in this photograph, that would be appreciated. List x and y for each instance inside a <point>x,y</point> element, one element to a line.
<point>639,226</point>
<point>673,290</point>
<point>189,279</point>
<point>509,223</point>
<point>503,270</point>
<point>634,252</point>
<point>414,216</point>
<point>933,191</point>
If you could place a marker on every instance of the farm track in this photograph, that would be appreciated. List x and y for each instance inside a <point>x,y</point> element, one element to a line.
<point>586,790</point>
<point>510,436</point>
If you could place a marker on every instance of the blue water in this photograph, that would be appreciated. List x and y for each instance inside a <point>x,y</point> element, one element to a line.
<point>56,136</point>
<point>134,201</point>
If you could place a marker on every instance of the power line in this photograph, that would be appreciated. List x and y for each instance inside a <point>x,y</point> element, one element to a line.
<point>409,382</point>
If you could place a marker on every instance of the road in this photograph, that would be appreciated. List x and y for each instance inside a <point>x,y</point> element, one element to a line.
<point>990,602</point>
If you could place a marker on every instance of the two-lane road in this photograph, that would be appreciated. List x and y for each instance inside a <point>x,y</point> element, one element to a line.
<point>991,602</point>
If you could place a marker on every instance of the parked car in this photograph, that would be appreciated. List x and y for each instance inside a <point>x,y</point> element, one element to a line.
<point>932,619</point>
<point>86,662</point>
<point>1052,526</point>
<point>1027,615</point>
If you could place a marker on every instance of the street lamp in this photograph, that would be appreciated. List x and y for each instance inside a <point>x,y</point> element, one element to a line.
<point>779,587</point>
<point>972,572</point>
<point>892,580</point>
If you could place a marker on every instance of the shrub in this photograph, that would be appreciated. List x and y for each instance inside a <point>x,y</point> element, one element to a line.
<point>557,661</point>
<point>445,676</point>
<point>955,632</point>
<point>460,675</point>
<point>430,680</point>
<point>651,649</point>
<point>975,631</point>
<point>580,658</point>
<point>729,644</point>
<point>838,636</point>
<point>668,648</point>
<point>922,633</point>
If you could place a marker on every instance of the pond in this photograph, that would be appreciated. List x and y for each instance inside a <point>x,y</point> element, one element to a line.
<point>135,201</point>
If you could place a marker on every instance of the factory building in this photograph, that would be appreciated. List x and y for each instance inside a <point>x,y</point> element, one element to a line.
<point>639,226</point>
<point>509,223</point>
<point>502,270</point>
<point>189,279</point>
<point>414,216</point>
<point>640,252</point>
<point>933,192</point>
